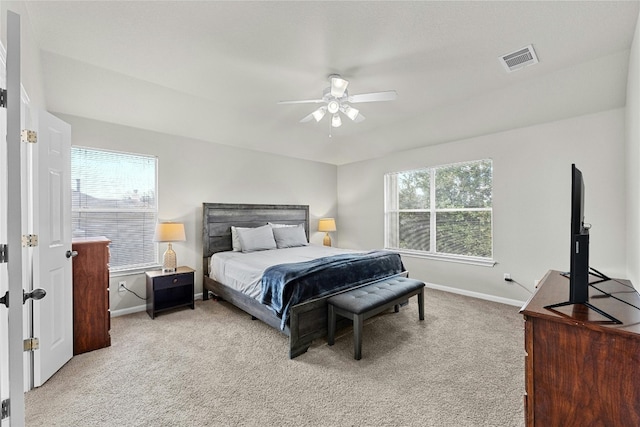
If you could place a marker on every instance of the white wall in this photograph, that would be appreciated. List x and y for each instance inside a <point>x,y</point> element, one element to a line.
<point>531,206</point>
<point>531,211</point>
<point>191,172</point>
<point>633,161</point>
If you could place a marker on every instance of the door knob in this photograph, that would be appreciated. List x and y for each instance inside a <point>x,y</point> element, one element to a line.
<point>5,299</point>
<point>71,254</point>
<point>36,294</point>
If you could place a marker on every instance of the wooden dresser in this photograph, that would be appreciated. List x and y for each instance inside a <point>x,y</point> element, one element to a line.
<point>91,316</point>
<point>580,368</point>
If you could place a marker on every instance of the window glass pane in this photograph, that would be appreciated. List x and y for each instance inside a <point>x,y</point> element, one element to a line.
<point>131,235</point>
<point>106,179</point>
<point>413,189</point>
<point>466,185</point>
<point>113,195</point>
<point>464,233</point>
<point>414,230</point>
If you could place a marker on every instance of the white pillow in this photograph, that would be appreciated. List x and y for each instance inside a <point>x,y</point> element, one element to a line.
<point>235,241</point>
<point>290,237</point>
<point>256,239</point>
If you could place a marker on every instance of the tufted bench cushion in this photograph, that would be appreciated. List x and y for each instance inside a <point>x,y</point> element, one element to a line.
<point>362,303</point>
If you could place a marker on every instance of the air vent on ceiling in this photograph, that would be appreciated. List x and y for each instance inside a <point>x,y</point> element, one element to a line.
<point>519,59</point>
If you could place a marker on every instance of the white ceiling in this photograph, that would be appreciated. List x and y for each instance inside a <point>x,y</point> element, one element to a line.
<point>215,70</point>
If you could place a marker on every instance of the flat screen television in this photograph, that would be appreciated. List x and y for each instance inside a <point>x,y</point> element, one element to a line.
<point>579,274</point>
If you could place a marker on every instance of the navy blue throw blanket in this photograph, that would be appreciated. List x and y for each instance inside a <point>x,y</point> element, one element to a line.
<point>286,285</point>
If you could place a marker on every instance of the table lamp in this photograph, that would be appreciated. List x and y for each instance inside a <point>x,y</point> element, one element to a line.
<point>326,225</point>
<point>169,232</point>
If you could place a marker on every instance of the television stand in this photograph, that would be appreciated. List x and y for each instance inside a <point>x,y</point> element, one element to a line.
<point>586,304</point>
<point>578,371</point>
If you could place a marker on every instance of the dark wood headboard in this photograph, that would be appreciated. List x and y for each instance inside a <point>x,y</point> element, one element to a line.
<point>217,219</point>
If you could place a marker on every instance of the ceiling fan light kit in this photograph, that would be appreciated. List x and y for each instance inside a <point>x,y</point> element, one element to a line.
<point>319,113</point>
<point>333,106</point>
<point>350,112</point>
<point>338,85</point>
<point>337,100</point>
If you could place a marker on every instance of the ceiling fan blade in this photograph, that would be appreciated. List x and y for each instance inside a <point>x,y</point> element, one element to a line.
<point>306,119</point>
<point>389,95</point>
<point>359,118</point>
<point>304,101</point>
<point>338,86</point>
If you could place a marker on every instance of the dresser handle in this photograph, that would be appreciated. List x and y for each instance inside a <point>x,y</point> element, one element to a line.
<point>175,280</point>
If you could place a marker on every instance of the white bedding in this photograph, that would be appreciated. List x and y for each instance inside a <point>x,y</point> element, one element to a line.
<point>243,271</point>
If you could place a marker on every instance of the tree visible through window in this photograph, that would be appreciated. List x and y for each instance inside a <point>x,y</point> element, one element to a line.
<point>114,195</point>
<point>442,210</point>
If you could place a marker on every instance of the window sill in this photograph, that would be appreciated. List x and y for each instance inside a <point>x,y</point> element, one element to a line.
<point>482,262</point>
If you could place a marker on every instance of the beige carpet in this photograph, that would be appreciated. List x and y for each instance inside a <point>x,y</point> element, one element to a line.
<point>462,366</point>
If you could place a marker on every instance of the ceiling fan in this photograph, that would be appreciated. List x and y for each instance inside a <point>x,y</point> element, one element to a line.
<point>336,100</point>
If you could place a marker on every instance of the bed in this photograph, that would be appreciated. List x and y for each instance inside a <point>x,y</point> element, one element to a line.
<point>306,320</point>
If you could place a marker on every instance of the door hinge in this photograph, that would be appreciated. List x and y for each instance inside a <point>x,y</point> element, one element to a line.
<point>29,240</point>
<point>4,256</point>
<point>4,413</point>
<point>29,136</point>
<point>31,344</point>
<point>3,98</point>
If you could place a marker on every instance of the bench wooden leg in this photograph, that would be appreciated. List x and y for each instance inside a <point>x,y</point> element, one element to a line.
<point>421,304</point>
<point>358,320</point>
<point>331,327</point>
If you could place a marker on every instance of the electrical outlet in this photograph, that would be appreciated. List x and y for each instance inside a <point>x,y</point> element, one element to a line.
<point>122,287</point>
<point>507,277</point>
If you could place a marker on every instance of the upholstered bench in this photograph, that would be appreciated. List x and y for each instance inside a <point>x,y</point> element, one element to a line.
<point>362,303</point>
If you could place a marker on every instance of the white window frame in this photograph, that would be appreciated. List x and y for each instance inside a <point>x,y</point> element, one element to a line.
<point>392,211</point>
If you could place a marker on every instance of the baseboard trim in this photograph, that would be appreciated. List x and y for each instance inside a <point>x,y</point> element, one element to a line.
<point>501,300</point>
<point>139,308</point>
<point>478,295</point>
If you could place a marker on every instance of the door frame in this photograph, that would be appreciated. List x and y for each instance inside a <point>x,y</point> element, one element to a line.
<point>15,266</point>
<point>4,287</point>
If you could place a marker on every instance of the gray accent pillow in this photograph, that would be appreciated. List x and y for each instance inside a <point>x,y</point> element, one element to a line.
<point>256,239</point>
<point>235,240</point>
<point>290,237</point>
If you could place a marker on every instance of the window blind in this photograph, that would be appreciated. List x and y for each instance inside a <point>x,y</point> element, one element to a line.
<point>114,195</point>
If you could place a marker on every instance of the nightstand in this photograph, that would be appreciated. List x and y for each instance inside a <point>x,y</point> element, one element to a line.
<point>166,291</point>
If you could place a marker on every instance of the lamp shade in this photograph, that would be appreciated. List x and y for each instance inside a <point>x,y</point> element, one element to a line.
<point>169,232</point>
<point>326,224</point>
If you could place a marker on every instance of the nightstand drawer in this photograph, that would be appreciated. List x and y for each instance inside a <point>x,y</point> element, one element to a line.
<point>170,281</point>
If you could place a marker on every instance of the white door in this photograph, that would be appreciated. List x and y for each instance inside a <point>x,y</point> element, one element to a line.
<point>14,224</point>
<point>49,203</point>
<point>4,286</point>
<point>51,221</point>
